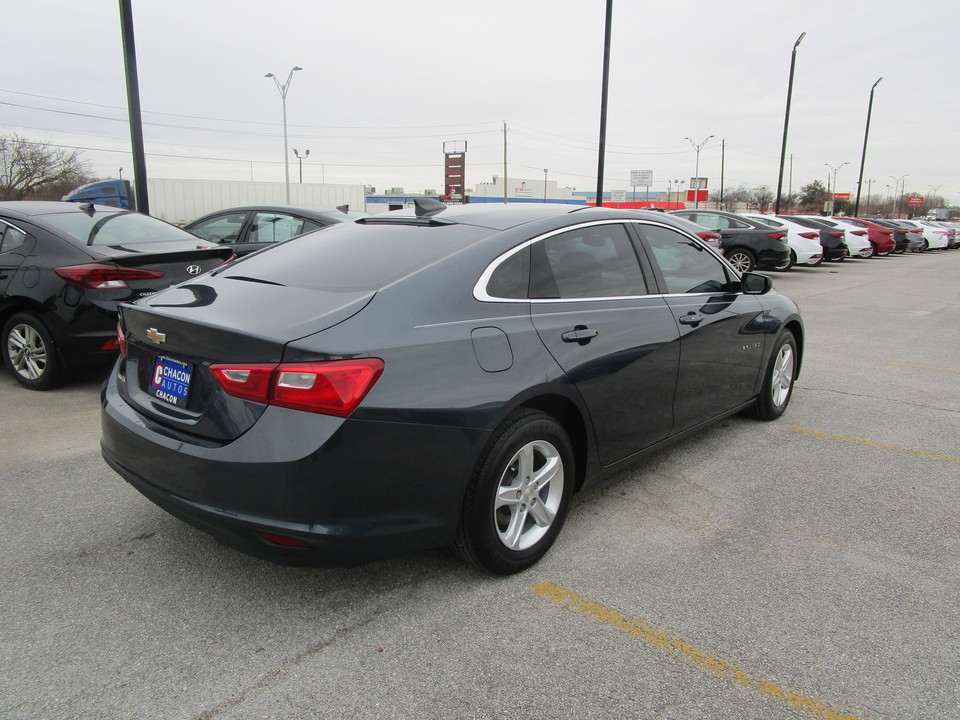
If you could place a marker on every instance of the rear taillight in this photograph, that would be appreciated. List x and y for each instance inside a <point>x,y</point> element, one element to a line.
<point>709,235</point>
<point>809,235</point>
<point>859,232</point>
<point>328,388</point>
<point>836,234</point>
<point>99,276</point>
<point>886,232</point>
<point>777,235</point>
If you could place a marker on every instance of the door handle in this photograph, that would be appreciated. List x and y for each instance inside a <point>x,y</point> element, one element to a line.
<point>581,335</point>
<point>691,318</point>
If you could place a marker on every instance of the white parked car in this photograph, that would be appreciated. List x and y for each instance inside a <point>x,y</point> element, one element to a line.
<point>855,237</point>
<point>935,236</point>
<point>804,243</point>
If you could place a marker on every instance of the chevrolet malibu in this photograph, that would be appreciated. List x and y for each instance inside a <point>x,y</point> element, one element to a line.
<point>447,376</point>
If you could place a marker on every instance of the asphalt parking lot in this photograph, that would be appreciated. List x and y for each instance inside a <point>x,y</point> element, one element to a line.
<point>808,567</point>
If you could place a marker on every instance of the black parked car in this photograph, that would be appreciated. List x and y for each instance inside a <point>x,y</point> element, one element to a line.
<point>246,229</point>
<point>747,243</point>
<point>831,238</point>
<point>449,376</point>
<point>64,268</point>
<point>906,236</point>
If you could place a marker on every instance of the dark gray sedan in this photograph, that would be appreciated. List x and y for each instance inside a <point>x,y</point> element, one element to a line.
<point>445,377</point>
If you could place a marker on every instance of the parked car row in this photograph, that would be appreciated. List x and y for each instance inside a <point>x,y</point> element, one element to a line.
<point>751,241</point>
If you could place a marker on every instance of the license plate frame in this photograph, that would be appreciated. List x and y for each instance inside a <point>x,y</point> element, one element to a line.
<point>170,380</point>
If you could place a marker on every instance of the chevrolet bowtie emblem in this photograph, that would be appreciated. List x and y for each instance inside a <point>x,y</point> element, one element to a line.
<point>156,336</point>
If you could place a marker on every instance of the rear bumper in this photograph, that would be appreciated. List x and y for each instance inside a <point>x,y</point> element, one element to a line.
<point>351,491</point>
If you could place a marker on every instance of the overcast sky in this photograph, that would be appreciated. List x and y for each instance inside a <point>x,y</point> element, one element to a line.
<point>385,83</point>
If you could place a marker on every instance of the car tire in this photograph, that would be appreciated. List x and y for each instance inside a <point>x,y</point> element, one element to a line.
<point>873,251</point>
<point>789,263</point>
<point>742,259</point>
<point>778,380</point>
<point>29,352</point>
<point>518,496</point>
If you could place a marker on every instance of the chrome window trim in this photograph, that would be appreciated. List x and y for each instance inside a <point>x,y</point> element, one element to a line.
<point>480,288</point>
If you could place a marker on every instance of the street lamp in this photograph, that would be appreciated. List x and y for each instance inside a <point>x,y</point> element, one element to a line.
<point>545,184</point>
<point>835,171</point>
<point>896,196</point>
<point>863,157</point>
<point>933,193</point>
<point>696,173</point>
<point>283,95</point>
<point>786,119</point>
<point>297,155</point>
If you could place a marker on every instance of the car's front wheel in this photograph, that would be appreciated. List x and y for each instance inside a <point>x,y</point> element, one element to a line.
<point>29,352</point>
<point>777,380</point>
<point>742,260</point>
<point>518,496</point>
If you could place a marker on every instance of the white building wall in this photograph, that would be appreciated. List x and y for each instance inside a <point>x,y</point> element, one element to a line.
<point>180,201</point>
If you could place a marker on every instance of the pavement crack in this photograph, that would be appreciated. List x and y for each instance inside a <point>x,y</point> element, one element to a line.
<point>927,406</point>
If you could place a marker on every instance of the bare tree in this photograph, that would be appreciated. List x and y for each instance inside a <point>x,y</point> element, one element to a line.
<point>38,170</point>
<point>762,197</point>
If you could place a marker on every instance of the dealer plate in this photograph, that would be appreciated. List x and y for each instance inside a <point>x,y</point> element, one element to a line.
<point>171,381</point>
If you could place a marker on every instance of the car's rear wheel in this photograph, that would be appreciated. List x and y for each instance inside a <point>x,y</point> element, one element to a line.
<point>788,263</point>
<point>519,494</point>
<point>778,380</point>
<point>29,352</point>
<point>873,250</point>
<point>741,259</point>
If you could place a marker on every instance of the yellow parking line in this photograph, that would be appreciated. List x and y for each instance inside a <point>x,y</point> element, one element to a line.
<point>922,367</point>
<point>674,645</point>
<point>820,433</point>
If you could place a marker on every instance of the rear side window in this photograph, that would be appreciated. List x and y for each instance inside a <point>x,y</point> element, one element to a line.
<point>350,257</point>
<point>223,228</point>
<point>596,261</point>
<point>11,238</point>
<point>277,227</point>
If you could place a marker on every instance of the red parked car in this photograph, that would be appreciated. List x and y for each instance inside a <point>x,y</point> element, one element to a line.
<point>880,237</point>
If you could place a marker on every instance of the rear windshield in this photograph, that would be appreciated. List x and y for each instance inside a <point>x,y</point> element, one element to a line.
<point>349,257</point>
<point>112,228</point>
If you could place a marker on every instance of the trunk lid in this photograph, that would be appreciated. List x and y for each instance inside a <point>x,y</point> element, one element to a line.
<point>173,337</point>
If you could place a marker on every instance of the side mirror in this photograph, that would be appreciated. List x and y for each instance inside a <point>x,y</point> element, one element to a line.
<point>756,284</point>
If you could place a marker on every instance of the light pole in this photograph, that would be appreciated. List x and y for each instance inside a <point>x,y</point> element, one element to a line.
<point>283,95</point>
<point>933,192</point>
<point>863,156</point>
<point>297,155</point>
<point>545,184</point>
<point>786,119</point>
<point>696,173</point>
<point>896,196</point>
<point>835,171</point>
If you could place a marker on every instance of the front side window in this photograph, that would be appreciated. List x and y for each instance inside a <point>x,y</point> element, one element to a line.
<point>686,265</point>
<point>596,261</point>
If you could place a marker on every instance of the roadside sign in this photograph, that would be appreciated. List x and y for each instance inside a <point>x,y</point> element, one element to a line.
<point>643,178</point>
<point>618,196</point>
<point>698,183</point>
<point>915,201</point>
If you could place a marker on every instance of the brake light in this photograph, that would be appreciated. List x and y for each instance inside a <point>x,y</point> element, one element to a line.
<point>859,232</point>
<point>836,234</point>
<point>809,235</point>
<point>99,276</point>
<point>329,388</point>
<point>777,235</point>
<point>708,235</point>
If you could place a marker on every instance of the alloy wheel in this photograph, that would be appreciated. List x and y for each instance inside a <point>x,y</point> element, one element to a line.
<point>27,351</point>
<point>528,495</point>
